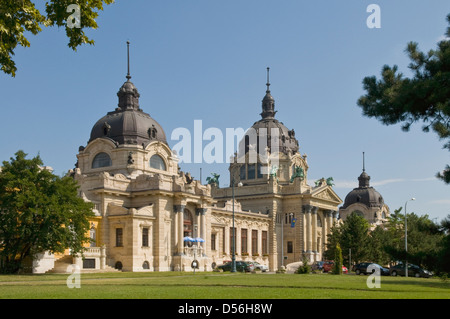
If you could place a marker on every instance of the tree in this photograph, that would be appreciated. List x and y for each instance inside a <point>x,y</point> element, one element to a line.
<point>20,16</point>
<point>355,236</point>
<point>424,97</point>
<point>376,249</point>
<point>39,212</point>
<point>424,239</point>
<point>443,264</point>
<point>333,239</point>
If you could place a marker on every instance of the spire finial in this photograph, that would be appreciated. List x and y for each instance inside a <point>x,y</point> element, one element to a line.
<point>364,164</point>
<point>268,83</point>
<point>128,60</point>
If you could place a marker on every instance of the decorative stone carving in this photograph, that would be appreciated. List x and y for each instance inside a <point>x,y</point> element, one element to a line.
<point>130,158</point>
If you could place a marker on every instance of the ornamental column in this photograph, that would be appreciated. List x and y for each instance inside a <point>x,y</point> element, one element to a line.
<point>330,219</point>
<point>326,225</point>
<point>179,210</point>
<point>334,213</point>
<point>314,229</point>
<point>307,210</point>
<point>201,222</point>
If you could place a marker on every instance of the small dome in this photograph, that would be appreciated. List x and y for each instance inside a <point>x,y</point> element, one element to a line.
<point>364,194</point>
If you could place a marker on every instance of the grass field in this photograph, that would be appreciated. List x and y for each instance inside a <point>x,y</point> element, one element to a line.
<point>176,285</point>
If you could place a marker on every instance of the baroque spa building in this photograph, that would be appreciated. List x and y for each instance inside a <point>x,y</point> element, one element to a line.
<point>146,206</point>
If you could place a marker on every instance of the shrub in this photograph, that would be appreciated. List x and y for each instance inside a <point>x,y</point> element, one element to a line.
<point>305,268</point>
<point>337,267</point>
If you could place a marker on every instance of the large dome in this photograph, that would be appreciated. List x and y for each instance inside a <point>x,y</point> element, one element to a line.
<point>287,143</point>
<point>364,194</point>
<point>128,124</point>
<point>286,138</point>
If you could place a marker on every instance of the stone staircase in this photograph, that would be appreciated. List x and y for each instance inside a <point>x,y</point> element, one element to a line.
<point>62,264</point>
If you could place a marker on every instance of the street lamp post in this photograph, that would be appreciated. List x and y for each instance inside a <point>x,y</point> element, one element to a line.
<point>406,240</point>
<point>233,256</point>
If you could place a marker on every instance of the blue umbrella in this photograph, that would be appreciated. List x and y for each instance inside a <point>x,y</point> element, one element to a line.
<point>189,239</point>
<point>199,240</point>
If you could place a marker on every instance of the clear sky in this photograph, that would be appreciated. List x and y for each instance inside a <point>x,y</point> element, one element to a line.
<point>206,60</point>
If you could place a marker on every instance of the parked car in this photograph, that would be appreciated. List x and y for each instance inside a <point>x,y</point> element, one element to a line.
<point>361,268</point>
<point>318,265</point>
<point>328,266</point>
<point>413,271</point>
<point>240,266</point>
<point>258,266</point>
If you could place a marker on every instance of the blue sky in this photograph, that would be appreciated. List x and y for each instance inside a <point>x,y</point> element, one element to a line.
<point>206,60</point>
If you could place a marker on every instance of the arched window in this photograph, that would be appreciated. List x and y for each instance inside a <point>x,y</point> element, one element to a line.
<point>118,265</point>
<point>357,212</point>
<point>319,221</point>
<point>145,265</point>
<point>157,162</point>
<point>101,160</point>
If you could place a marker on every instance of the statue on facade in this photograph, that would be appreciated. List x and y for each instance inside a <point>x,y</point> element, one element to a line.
<point>298,172</point>
<point>130,158</point>
<point>189,178</point>
<point>320,182</point>
<point>273,171</point>
<point>330,181</point>
<point>213,180</point>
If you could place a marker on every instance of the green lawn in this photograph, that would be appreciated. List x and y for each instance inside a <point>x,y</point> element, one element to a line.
<point>176,285</point>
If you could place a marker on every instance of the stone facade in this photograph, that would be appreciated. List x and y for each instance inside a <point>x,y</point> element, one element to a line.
<point>146,207</point>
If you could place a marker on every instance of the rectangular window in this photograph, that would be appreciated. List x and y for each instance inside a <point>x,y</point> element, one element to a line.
<point>264,242</point>
<point>290,247</point>
<point>242,172</point>
<point>89,263</point>
<point>254,242</point>
<point>251,171</point>
<point>288,218</point>
<point>244,247</point>
<point>259,171</point>
<point>119,237</point>
<point>231,240</point>
<point>144,237</point>
<point>213,241</point>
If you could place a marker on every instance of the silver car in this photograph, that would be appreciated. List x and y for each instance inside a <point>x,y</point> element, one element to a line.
<point>258,266</point>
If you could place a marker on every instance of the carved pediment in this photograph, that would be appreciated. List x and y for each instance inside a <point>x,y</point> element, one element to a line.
<point>145,211</point>
<point>218,220</point>
<point>116,210</point>
<point>327,194</point>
